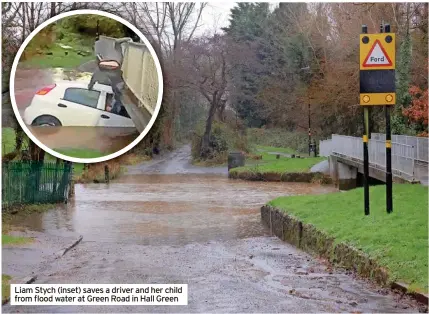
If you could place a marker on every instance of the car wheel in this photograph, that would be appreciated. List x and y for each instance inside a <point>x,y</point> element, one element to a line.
<point>46,121</point>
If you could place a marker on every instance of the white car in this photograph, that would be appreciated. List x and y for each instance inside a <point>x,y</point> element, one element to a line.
<point>70,103</point>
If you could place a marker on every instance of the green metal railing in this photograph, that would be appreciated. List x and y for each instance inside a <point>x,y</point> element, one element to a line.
<point>35,182</point>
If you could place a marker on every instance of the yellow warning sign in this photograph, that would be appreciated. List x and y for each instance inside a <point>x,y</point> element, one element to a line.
<point>377,51</point>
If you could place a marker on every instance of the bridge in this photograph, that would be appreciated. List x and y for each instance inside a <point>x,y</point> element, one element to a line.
<point>410,158</point>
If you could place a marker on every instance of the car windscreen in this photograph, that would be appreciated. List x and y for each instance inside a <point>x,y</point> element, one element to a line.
<point>82,96</point>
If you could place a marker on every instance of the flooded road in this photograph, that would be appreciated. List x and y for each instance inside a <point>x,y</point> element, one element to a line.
<point>166,209</point>
<point>168,222</point>
<point>103,139</point>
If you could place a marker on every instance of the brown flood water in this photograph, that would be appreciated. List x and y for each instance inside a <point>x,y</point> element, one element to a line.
<point>105,140</point>
<point>166,209</point>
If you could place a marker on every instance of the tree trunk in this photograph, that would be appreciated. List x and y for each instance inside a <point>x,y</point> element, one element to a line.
<point>205,149</point>
<point>53,13</point>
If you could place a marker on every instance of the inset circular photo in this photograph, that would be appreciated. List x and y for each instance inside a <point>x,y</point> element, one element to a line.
<point>86,86</point>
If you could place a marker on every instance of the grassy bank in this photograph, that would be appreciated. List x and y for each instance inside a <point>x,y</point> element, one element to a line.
<point>8,140</point>
<point>397,241</point>
<point>12,240</point>
<point>5,287</point>
<point>58,47</point>
<point>57,57</point>
<point>80,153</point>
<point>270,164</point>
<point>298,141</point>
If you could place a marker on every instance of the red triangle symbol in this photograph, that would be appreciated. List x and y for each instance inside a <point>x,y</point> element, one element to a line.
<point>377,56</point>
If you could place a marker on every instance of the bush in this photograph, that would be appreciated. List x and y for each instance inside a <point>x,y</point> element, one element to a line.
<point>280,138</point>
<point>223,138</point>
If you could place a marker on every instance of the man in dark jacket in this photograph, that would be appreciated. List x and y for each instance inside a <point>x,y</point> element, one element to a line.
<point>109,60</point>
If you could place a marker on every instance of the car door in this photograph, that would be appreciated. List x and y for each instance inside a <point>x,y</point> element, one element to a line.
<point>79,107</point>
<point>110,119</point>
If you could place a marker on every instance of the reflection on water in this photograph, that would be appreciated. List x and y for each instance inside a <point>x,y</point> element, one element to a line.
<point>164,209</point>
<point>104,139</point>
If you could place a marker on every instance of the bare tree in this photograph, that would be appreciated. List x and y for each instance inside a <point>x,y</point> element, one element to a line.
<point>206,65</point>
<point>168,27</point>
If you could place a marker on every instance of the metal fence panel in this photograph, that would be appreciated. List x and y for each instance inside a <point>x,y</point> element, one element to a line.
<point>420,144</point>
<point>403,160</point>
<point>34,182</point>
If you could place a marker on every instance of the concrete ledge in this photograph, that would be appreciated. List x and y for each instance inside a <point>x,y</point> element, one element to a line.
<point>309,177</point>
<point>310,239</point>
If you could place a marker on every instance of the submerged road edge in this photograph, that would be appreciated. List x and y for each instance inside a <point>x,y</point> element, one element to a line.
<point>312,240</point>
<point>63,252</point>
<point>32,278</point>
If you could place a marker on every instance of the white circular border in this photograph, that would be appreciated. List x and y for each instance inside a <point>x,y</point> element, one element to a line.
<point>24,126</point>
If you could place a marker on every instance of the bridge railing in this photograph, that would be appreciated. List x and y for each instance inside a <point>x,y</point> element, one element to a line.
<point>403,160</point>
<point>420,144</point>
<point>348,146</point>
<point>402,157</point>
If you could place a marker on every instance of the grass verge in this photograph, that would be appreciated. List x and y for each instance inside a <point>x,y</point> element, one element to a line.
<point>5,287</point>
<point>270,164</point>
<point>57,58</point>
<point>12,240</point>
<point>80,153</point>
<point>397,241</point>
<point>96,172</point>
<point>8,140</point>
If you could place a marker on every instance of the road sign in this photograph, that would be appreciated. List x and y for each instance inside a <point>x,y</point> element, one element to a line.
<point>377,57</point>
<point>377,69</point>
<point>377,51</point>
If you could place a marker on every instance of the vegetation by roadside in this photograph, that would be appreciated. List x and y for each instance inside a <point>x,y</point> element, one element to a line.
<point>276,137</point>
<point>68,43</point>
<point>5,287</point>
<point>281,165</point>
<point>12,240</point>
<point>96,172</point>
<point>80,153</point>
<point>58,57</point>
<point>8,140</point>
<point>397,241</point>
<point>270,149</point>
<point>223,138</point>
<point>270,163</point>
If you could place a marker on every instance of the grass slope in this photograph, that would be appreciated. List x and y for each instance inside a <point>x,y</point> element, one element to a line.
<point>12,240</point>
<point>270,163</point>
<point>8,140</point>
<point>398,241</point>
<point>58,59</point>
<point>5,286</point>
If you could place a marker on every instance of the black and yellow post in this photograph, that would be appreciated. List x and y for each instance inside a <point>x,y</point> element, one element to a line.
<point>389,193</point>
<point>366,160</point>
<point>377,87</point>
<point>365,150</point>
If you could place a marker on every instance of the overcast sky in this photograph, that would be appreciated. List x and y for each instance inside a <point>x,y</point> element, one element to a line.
<point>215,16</point>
